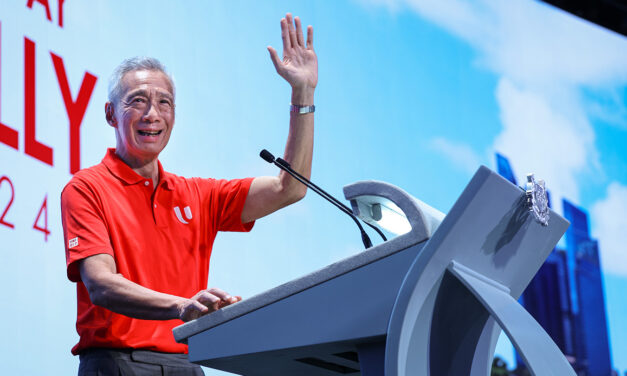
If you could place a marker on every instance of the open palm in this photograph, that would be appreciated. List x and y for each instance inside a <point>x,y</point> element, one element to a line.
<point>299,66</point>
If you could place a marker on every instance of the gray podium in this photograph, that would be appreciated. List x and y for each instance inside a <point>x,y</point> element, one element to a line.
<point>429,302</point>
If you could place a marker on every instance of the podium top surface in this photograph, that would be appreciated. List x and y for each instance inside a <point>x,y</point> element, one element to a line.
<point>417,235</point>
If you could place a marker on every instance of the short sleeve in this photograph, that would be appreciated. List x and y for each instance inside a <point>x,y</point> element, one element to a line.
<point>84,229</point>
<point>225,201</point>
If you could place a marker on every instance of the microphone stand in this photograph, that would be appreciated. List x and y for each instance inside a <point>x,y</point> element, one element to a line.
<point>344,208</point>
<point>285,166</point>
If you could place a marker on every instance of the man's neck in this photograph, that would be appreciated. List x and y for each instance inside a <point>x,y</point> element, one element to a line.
<point>147,168</point>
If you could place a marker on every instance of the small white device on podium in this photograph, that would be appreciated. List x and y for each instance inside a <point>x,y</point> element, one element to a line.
<point>430,302</point>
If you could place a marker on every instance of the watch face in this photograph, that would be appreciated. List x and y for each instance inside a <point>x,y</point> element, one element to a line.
<point>537,200</point>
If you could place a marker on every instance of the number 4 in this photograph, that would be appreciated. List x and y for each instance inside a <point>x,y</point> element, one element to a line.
<point>44,210</point>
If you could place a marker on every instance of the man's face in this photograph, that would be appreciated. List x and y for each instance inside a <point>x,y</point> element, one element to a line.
<point>144,116</point>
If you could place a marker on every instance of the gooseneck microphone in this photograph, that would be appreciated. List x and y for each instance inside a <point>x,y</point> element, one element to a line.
<point>321,192</point>
<point>285,166</point>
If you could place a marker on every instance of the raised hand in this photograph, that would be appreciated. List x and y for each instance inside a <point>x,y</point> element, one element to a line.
<point>299,66</point>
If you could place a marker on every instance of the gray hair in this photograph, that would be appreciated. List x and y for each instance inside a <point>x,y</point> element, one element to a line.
<point>135,64</point>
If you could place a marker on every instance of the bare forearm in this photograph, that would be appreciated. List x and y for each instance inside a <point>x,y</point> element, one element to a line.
<point>299,145</point>
<point>125,297</point>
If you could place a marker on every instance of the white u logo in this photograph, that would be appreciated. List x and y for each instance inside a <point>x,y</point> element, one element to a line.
<point>188,214</point>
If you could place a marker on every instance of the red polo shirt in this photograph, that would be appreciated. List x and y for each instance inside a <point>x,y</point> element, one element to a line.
<point>160,239</point>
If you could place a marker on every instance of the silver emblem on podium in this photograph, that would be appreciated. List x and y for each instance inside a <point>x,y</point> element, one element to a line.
<point>537,200</point>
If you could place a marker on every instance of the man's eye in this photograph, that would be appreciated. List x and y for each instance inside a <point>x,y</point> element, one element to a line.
<point>138,100</point>
<point>165,104</point>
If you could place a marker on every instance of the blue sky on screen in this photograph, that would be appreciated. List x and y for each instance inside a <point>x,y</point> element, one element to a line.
<point>417,93</point>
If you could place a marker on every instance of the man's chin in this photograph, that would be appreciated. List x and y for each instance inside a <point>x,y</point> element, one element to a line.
<point>151,153</point>
<point>143,153</point>
<point>153,147</point>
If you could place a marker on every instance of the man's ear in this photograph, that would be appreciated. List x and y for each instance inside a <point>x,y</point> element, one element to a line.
<point>109,115</point>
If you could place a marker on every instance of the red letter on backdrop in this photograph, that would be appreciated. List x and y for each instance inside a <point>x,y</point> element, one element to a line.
<point>42,2</point>
<point>7,135</point>
<point>31,146</point>
<point>61,13</point>
<point>75,109</point>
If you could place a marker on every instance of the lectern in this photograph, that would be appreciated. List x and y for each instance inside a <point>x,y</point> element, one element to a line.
<point>431,301</point>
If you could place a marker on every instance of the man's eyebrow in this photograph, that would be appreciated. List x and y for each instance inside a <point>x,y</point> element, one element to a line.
<point>166,95</point>
<point>133,93</point>
<point>144,92</point>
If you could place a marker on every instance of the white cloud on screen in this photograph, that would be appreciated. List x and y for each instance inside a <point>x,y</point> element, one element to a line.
<point>531,126</point>
<point>460,154</point>
<point>610,214</point>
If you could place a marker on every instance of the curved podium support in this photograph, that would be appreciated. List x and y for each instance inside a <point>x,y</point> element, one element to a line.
<point>426,302</point>
<point>538,350</point>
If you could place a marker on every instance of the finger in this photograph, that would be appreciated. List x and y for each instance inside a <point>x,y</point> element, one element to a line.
<point>290,25</point>
<point>209,300</point>
<point>193,311</point>
<point>232,300</point>
<point>299,32</point>
<point>197,306</point>
<point>285,35</point>
<point>310,37</point>
<point>223,295</point>
<point>274,56</point>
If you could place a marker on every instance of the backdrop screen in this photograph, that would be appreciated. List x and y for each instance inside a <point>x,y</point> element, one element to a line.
<point>417,93</point>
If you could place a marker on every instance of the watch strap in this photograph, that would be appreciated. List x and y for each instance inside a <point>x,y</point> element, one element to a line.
<point>298,109</point>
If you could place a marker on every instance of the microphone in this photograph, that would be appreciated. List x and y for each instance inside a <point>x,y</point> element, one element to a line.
<point>317,189</point>
<point>285,166</point>
<point>326,195</point>
<point>267,156</point>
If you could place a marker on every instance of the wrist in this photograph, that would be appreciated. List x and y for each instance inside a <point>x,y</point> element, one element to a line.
<point>303,96</point>
<point>177,309</point>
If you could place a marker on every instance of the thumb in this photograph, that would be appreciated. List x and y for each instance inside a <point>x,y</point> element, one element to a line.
<point>274,56</point>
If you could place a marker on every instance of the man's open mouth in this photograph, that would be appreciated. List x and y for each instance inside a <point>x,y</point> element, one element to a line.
<point>149,133</point>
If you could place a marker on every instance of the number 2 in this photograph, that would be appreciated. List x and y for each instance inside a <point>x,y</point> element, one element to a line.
<point>4,213</point>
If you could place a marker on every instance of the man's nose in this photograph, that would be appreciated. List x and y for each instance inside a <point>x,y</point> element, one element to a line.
<point>152,113</point>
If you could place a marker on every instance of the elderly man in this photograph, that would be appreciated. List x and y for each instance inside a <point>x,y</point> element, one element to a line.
<point>138,239</point>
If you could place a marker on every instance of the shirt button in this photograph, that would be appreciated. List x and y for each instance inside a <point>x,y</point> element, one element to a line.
<point>155,206</point>
<point>146,183</point>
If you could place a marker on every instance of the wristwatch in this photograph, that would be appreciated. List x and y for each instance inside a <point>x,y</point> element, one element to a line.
<point>298,109</point>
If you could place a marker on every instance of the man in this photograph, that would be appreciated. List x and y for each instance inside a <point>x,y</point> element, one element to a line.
<point>138,239</point>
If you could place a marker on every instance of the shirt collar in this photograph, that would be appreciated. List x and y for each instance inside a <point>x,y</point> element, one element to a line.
<point>125,173</point>
<point>166,178</point>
